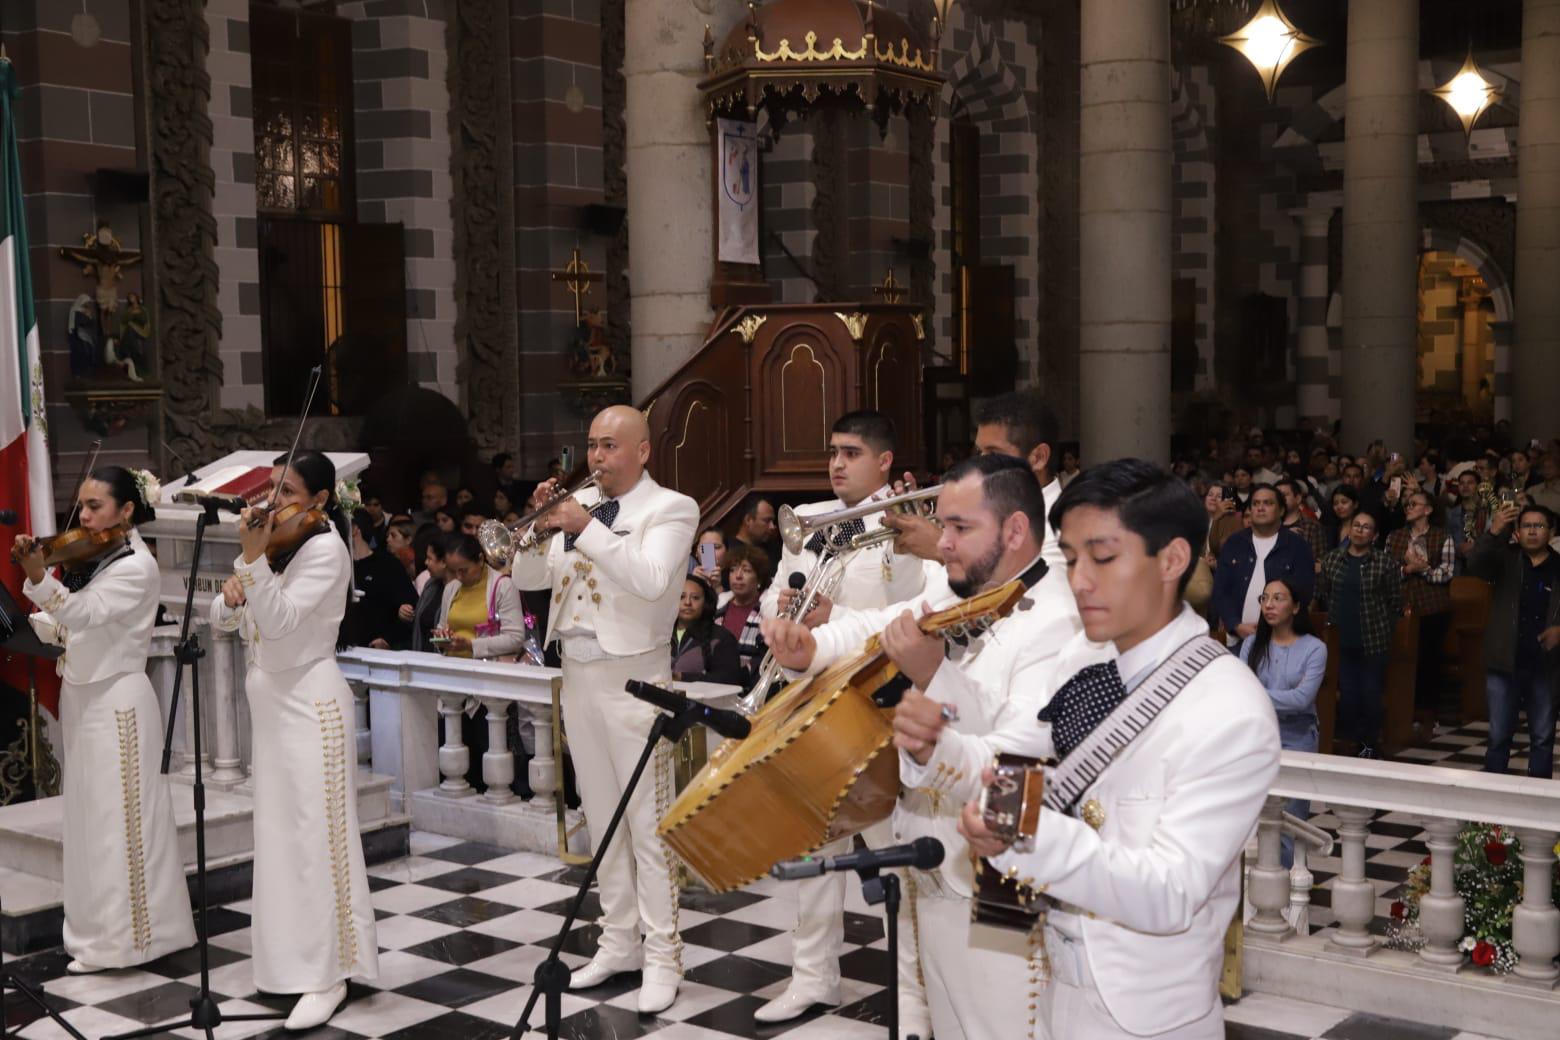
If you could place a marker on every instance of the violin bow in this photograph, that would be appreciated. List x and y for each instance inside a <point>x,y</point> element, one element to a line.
<point>75,509</point>
<point>314,385</point>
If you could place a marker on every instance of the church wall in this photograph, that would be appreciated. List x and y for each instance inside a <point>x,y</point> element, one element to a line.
<point>993,70</point>
<point>1192,108</point>
<point>76,114</point>
<point>558,161</point>
<point>402,106</point>
<point>233,204</point>
<point>788,193</point>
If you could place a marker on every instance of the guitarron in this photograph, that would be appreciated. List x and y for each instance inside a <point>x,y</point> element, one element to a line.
<point>818,764</point>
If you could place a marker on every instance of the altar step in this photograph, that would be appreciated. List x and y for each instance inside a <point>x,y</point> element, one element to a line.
<point>32,853</point>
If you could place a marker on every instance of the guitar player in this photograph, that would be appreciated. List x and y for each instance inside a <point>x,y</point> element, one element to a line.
<point>1141,868</point>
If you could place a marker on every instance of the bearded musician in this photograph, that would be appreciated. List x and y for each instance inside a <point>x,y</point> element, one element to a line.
<point>861,456</point>
<point>993,532</point>
<point>615,569</point>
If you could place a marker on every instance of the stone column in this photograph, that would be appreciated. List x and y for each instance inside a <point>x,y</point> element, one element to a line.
<point>1473,367</point>
<point>1381,224</point>
<point>1536,364</point>
<point>670,218</point>
<point>1311,345</point>
<point>1124,229</point>
<point>1497,365</point>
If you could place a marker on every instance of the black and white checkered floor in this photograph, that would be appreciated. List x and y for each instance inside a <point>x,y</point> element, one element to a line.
<point>463,926</point>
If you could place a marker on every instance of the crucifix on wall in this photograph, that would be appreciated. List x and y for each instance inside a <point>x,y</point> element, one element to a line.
<point>577,277</point>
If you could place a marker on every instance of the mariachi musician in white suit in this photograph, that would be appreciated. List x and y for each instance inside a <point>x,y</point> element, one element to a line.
<point>861,456</point>
<point>1142,867</point>
<point>616,570</point>
<point>125,899</point>
<point>993,531</point>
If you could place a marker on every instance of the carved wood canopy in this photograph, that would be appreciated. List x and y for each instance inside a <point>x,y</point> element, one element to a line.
<point>793,55</point>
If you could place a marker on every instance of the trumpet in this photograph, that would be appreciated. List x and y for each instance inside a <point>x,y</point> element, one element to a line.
<point>501,542</point>
<point>796,530</point>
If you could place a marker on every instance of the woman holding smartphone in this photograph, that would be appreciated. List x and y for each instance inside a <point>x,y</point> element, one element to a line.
<point>313,925</point>
<point>479,614</point>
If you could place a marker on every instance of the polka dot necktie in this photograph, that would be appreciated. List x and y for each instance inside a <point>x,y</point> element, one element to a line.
<point>1083,702</point>
<point>843,532</point>
<point>606,512</point>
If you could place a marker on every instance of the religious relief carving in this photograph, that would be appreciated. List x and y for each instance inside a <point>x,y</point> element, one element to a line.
<point>481,167</point>
<point>106,342</point>
<point>190,323</point>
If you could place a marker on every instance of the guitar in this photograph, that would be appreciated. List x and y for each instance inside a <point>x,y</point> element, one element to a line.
<point>1010,809</point>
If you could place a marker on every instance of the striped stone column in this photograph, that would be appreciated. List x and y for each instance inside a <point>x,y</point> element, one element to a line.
<point>1312,392</point>
<point>1498,366</point>
<point>1124,209</point>
<point>1536,364</point>
<point>1381,223</point>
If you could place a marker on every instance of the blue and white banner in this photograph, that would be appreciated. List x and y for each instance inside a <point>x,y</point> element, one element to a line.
<point>737,144</point>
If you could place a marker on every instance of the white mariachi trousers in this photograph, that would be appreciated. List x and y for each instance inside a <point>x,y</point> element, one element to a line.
<point>819,938</point>
<point>606,729</point>
<point>977,976</point>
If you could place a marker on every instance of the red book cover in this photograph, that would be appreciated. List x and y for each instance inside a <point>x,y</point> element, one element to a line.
<point>253,486</point>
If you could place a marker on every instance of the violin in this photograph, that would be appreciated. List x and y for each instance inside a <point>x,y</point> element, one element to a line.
<point>295,524</point>
<point>72,549</point>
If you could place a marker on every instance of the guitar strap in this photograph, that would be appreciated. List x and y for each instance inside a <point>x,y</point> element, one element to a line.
<point>1075,774</point>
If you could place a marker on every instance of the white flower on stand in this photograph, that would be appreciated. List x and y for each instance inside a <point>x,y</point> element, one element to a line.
<point>349,496</point>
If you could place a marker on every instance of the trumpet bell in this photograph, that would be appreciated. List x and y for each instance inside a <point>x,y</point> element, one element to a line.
<point>498,544</point>
<point>794,531</point>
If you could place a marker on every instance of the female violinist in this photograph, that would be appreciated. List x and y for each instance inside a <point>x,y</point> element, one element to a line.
<point>313,925</point>
<point>125,898</point>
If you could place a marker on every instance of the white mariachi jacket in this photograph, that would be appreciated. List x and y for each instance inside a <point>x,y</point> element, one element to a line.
<point>1153,889</point>
<point>978,680</point>
<point>623,583</point>
<point>874,577</point>
<point>293,618</point>
<point>106,627</point>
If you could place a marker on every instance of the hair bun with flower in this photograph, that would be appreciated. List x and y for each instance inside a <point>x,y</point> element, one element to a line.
<point>148,485</point>
<point>349,496</point>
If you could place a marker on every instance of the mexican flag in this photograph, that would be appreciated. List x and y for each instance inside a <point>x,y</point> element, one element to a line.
<point>25,485</point>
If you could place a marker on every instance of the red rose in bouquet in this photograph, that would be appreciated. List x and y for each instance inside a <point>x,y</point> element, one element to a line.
<point>1398,910</point>
<point>1495,852</point>
<point>1483,954</point>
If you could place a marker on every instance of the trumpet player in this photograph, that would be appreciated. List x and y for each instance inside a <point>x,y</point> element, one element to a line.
<point>615,567</point>
<point>861,456</point>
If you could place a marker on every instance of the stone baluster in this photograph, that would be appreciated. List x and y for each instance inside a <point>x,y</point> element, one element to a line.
<point>1535,923</point>
<point>498,761</point>
<point>1354,897</point>
<point>1300,881</point>
<point>227,767</point>
<point>1268,888</point>
<point>1441,908</point>
<point>454,755</point>
<point>161,668</point>
<point>364,733</point>
<point>542,771</point>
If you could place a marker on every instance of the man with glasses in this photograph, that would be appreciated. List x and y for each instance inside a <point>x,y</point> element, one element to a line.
<point>1522,642</point>
<point>1361,588</point>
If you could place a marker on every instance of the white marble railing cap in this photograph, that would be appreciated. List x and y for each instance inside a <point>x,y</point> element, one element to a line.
<point>1420,790</point>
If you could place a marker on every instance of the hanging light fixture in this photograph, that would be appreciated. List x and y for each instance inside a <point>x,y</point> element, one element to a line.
<point>1270,42</point>
<point>1469,93</point>
<point>941,9</point>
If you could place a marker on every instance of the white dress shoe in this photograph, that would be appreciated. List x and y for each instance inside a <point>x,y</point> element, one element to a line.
<point>910,1027</point>
<point>597,972</point>
<point>315,1009</point>
<point>83,968</point>
<point>794,1003</point>
<point>656,995</point>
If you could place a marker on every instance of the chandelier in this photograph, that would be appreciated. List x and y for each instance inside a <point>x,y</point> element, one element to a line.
<point>1469,93</point>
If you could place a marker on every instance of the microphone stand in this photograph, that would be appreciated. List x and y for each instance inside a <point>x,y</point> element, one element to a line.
<point>10,980</point>
<point>204,1013</point>
<point>878,887</point>
<point>552,975</point>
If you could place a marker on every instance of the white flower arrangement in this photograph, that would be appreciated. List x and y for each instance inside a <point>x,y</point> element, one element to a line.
<point>148,485</point>
<point>349,496</point>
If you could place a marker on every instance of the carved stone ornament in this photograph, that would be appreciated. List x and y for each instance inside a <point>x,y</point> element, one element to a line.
<point>482,158</point>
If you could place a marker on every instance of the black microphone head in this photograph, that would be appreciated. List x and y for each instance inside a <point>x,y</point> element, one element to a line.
<point>7,517</point>
<point>797,580</point>
<point>928,853</point>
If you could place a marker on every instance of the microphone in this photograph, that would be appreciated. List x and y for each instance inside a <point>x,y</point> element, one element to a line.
<point>7,517</point>
<point>727,723</point>
<point>922,853</point>
<point>228,503</point>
